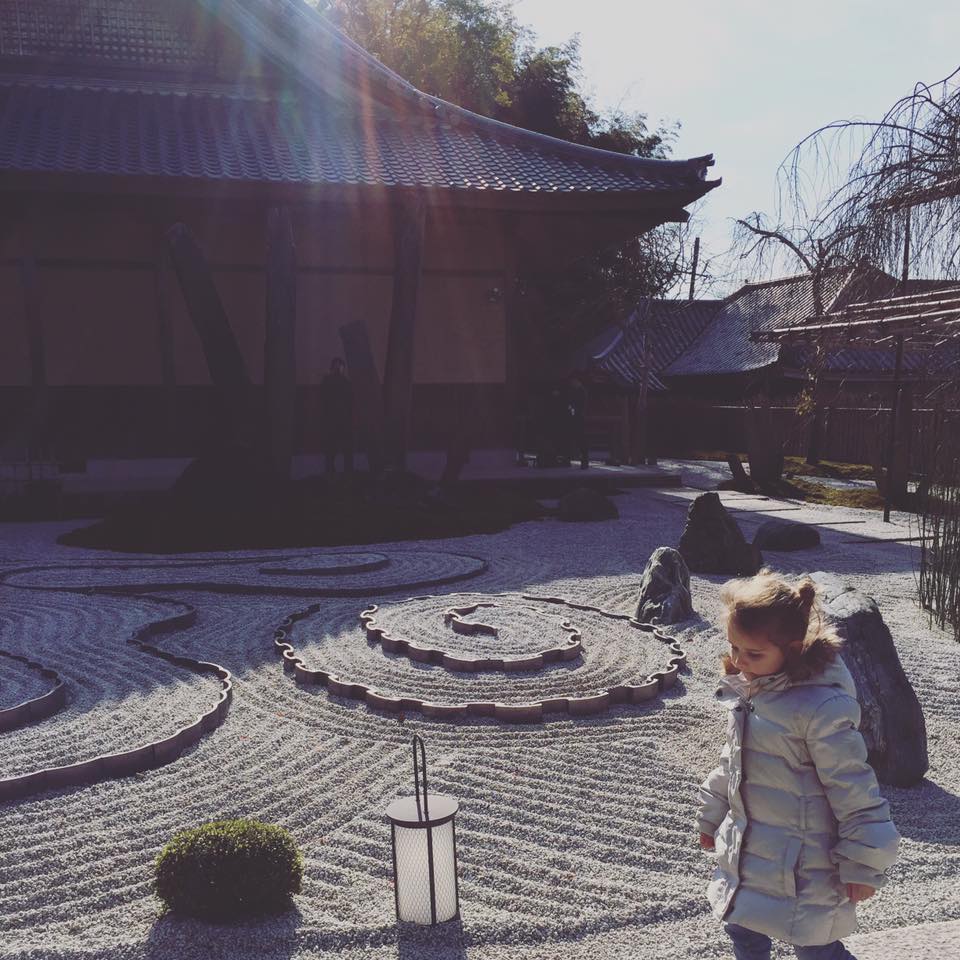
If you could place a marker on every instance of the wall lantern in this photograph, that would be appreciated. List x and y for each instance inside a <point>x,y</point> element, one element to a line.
<point>424,851</point>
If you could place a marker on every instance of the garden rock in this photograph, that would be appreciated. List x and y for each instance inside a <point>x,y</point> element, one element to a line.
<point>712,541</point>
<point>229,479</point>
<point>586,504</point>
<point>892,721</point>
<point>781,535</point>
<point>664,589</point>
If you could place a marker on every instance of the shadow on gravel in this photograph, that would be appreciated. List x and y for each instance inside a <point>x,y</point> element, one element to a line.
<point>925,812</point>
<point>173,938</point>
<point>443,942</point>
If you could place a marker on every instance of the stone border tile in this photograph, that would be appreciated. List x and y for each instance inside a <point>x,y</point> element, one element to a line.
<point>37,708</point>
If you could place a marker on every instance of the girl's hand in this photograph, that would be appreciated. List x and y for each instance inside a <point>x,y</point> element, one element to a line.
<point>707,843</point>
<point>859,891</point>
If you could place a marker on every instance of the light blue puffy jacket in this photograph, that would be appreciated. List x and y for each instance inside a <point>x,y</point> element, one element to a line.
<point>794,808</point>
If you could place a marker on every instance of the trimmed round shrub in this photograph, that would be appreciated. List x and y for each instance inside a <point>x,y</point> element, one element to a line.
<point>229,870</point>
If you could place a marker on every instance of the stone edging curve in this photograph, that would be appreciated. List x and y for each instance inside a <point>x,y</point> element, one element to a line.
<point>111,766</point>
<point>531,712</point>
<point>38,708</point>
<point>365,566</point>
<point>453,616</point>
<point>237,589</point>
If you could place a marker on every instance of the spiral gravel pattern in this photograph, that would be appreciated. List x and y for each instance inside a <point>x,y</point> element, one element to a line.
<point>614,651</point>
<point>575,836</point>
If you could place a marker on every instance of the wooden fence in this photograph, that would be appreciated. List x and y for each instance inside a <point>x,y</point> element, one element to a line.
<point>850,434</point>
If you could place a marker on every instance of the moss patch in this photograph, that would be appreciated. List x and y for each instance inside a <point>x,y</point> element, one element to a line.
<point>834,469</point>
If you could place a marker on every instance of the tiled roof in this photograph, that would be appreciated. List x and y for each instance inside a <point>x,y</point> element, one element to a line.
<point>86,127</point>
<point>313,133</point>
<point>619,353</point>
<point>122,31</point>
<point>725,346</point>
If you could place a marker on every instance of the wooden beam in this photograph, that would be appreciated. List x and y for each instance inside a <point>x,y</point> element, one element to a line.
<point>409,225</point>
<point>224,359</point>
<point>279,357</point>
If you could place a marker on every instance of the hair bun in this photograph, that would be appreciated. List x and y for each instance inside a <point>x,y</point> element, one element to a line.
<point>807,592</point>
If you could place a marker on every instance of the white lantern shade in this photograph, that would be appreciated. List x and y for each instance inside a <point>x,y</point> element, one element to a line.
<point>416,872</point>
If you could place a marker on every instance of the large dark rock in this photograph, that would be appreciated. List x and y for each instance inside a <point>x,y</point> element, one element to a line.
<point>664,589</point>
<point>782,535</point>
<point>892,720</point>
<point>398,488</point>
<point>586,504</point>
<point>232,479</point>
<point>712,541</point>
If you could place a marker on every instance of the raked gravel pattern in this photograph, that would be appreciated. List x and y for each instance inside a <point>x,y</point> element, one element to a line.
<point>575,835</point>
<point>19,682</point>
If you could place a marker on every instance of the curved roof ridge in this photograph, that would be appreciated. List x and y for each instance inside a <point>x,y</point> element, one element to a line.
<point>444,110</point>
<point>789,278</point>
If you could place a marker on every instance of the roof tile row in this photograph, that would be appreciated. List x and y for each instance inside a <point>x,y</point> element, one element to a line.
<point>133,129</point>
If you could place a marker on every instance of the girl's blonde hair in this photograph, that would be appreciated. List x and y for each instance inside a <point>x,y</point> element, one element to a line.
<point>785,614</point>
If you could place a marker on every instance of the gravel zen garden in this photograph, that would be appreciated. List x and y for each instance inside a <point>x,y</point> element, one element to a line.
<point>575,835</point>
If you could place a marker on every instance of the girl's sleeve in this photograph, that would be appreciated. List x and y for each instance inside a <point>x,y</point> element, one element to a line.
<point>714,803</point>
<point>868,841</point>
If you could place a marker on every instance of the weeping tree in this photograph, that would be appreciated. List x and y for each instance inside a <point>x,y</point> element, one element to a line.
<point>858,193</point>
<point>886,193</point>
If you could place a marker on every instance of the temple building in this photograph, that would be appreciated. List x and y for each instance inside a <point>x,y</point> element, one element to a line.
<point>179,176</point>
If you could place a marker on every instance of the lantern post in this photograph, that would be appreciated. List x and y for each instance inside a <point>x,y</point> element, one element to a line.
<point>424,839</point>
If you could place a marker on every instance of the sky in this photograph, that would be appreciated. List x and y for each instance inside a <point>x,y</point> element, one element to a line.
<point>747,79</point>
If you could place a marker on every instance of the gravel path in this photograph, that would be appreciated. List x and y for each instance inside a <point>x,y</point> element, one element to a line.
<point>575,836</point>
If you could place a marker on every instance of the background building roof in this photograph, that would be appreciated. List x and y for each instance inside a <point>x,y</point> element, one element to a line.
<point>618,353</point>
<point>726,347</point>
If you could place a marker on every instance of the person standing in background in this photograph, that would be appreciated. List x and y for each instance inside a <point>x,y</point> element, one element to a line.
<point>577,432</point>
<point>336,417</point>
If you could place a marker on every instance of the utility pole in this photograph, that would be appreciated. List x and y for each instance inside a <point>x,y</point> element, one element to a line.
<point>693,269</point>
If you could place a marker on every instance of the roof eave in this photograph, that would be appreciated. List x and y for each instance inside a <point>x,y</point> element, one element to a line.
<point>391,90</point>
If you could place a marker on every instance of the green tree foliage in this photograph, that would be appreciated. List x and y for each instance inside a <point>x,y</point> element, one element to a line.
<point>475,54</point>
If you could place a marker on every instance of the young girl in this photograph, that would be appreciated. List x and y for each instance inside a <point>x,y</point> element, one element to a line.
<point>793,811</point>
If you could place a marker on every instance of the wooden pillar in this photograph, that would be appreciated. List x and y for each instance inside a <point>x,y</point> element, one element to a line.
<point>896,481</point>
<point>516,400</point>
<point>409,222</point>
<point>34,432</point>
<point>224,359</point>
<point>279,359</point>
<point>815,439</point>
<point>168,379</point>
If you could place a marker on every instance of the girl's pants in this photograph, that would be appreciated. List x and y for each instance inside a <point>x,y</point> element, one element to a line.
<point>748,945</point>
